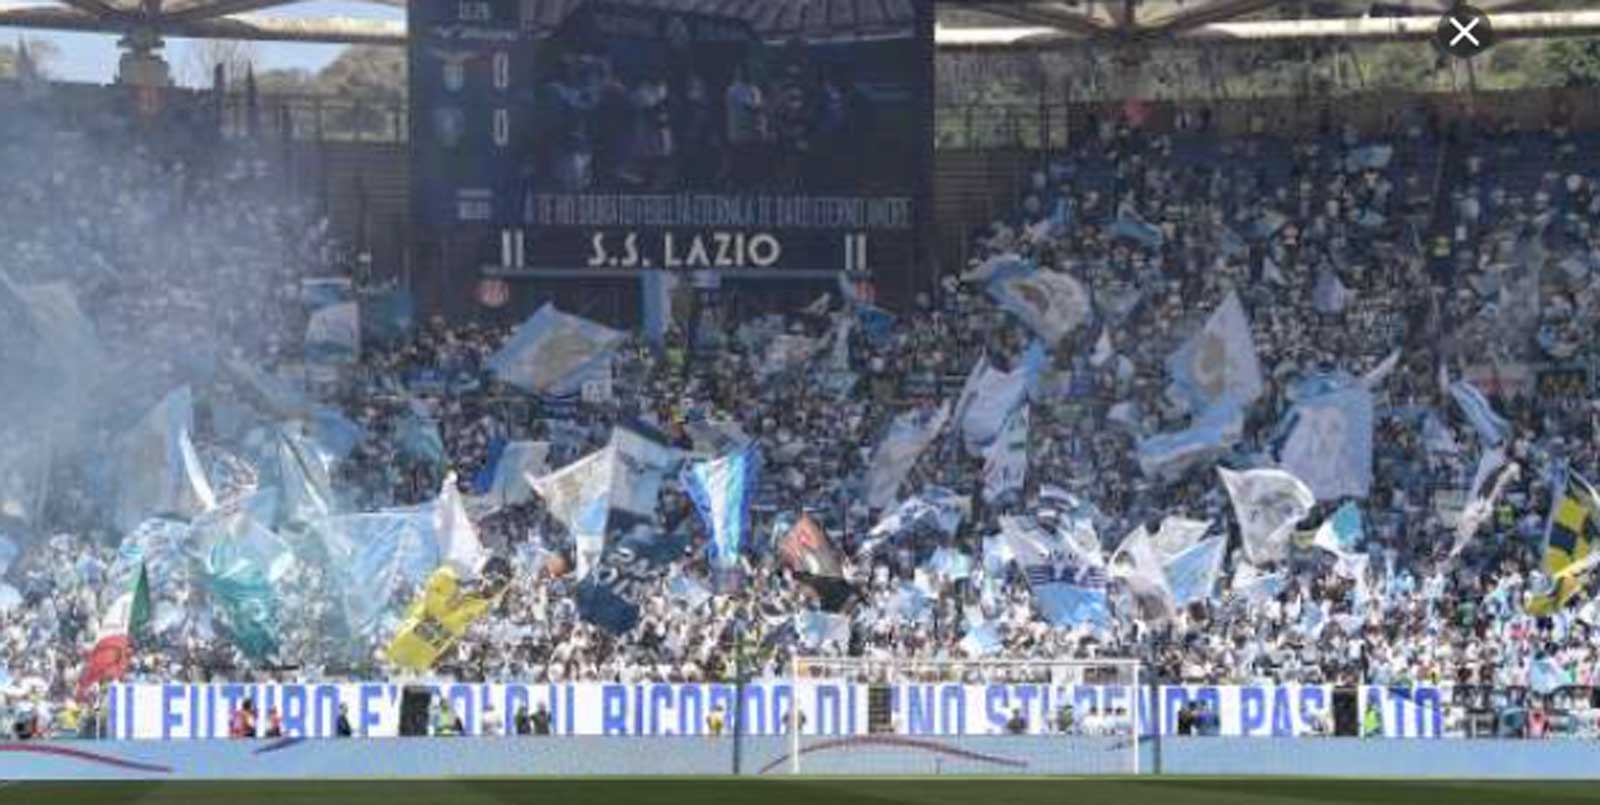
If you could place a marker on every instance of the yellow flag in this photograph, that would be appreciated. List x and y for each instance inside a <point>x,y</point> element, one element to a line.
<point>438,618</point>
<point>1573,533</point>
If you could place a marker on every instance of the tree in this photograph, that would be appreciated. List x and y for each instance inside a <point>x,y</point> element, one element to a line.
<point>291,81</point>
<point>371,80</point>
<point>366,72</point>
<point>1573,62</point>
<point>202,56</point>
<point>42,52</point>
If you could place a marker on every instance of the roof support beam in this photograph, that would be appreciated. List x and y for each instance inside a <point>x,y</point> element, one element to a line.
<point>1359,29</point>
<point>1046,15</point>
<point>202,10</point>
<point>97,8</point>
<point>1210,12</point>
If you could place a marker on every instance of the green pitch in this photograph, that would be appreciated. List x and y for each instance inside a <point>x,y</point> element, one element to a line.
<point>811,792</point>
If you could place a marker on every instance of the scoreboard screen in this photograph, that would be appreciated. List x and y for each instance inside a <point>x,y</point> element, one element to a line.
<point>470,85</point>
<point>590,135</point>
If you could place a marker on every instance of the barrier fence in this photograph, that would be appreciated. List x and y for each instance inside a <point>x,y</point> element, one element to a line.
<point>177,712</point>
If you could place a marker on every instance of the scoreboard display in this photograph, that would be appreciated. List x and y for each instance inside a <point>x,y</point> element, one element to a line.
<point>623,135</point>
<point>469,74</point>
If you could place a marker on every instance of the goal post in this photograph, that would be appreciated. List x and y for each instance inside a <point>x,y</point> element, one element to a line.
<point>895,717</point>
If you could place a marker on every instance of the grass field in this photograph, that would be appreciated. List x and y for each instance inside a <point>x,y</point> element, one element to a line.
<point>810,792</point>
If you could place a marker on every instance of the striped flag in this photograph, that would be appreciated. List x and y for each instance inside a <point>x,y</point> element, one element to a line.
<point>128,615</point>
<point>722,490</point>
<point>1570,537</point>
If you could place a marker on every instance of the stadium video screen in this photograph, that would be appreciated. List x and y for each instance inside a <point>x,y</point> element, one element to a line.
<point>592,135</point>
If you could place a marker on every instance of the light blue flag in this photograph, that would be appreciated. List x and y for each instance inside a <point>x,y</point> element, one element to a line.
<point>579,497</point>
<point>1437,436</point>
<point>1230,244</point>
<point>549,348</point>
<point>1192,574</point>
<point>1491,428</point>
<point>240,585</point>
<point>642,463</point>
<point>1341,533</point>
<point>387,317</point>
<point>950,563</point>
<point>1131,226</point>
<point>722,490</point>
<point>1375,157</point>
<point>333,334</point>
<point>656,289</point>
<point>268,392</point>
<point>1546,676</point>
<point>687,590</point>
<point>1219,360</point>
<point>1251,587</point>
<point>1267,224</point>
<point>379,559</point>
<point>937,509</point>
<point>1169,456</point>
<point>304,478</point>
<point>1329,444</point>
<point>334,434</point>
<point>1069,605</point>
<point>910,604</point>
<point>981,640</point>
<point>509,484</point>
<point>817,629</point>
<point>159,470</point>
<point>417,435</point>
<point>590,382</point>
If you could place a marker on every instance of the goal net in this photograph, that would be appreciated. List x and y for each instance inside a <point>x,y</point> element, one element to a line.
<point>858,716</point>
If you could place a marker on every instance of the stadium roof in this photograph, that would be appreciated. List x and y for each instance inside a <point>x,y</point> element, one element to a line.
<point>964,25</point>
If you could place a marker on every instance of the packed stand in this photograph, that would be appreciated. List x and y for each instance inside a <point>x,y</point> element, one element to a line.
<point>1333,242</point>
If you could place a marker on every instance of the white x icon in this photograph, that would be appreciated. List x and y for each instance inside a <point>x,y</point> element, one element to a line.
<point>1465,31</point>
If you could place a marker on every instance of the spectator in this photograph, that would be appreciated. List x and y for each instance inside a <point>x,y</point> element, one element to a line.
<point>1017,724</point>
<point>342,727</point>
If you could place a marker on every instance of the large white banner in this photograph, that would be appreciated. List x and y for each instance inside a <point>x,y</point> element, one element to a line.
<point>192,711</point>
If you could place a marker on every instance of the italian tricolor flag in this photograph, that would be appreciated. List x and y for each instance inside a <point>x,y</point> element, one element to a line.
<point>127,616</point>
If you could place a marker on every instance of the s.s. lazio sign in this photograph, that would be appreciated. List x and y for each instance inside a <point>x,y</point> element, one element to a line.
<point>311,710</point>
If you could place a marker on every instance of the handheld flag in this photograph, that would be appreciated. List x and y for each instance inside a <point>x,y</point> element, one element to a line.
<point>1267,504</point>
<point>1052,304</point>
<point>435,621</point>
<point>1570,537</point>
<point>722,490</point>
<point>1330,443</point>
<point>909,435</point>
<point>550,348</point>
<point>1219,360</point>
<point>122,622</point>
<point>1340,533</point>
<point>806,549</point>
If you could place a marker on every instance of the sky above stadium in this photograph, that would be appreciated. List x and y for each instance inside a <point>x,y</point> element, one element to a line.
<point>92,57</point>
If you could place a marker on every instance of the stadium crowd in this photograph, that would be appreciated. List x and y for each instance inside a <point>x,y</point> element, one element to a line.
<point>180,273</point>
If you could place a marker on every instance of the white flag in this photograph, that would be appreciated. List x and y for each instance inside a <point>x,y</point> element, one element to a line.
<point>1005,462</point>
<point>1488,483</point>
<point>892,460</point>
<point>988,397</point>
<point>1267,504</point>
<point>457,537</point>
<point>1179,534</point>
<point>1140,565</point>
<point>1050,303</point>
